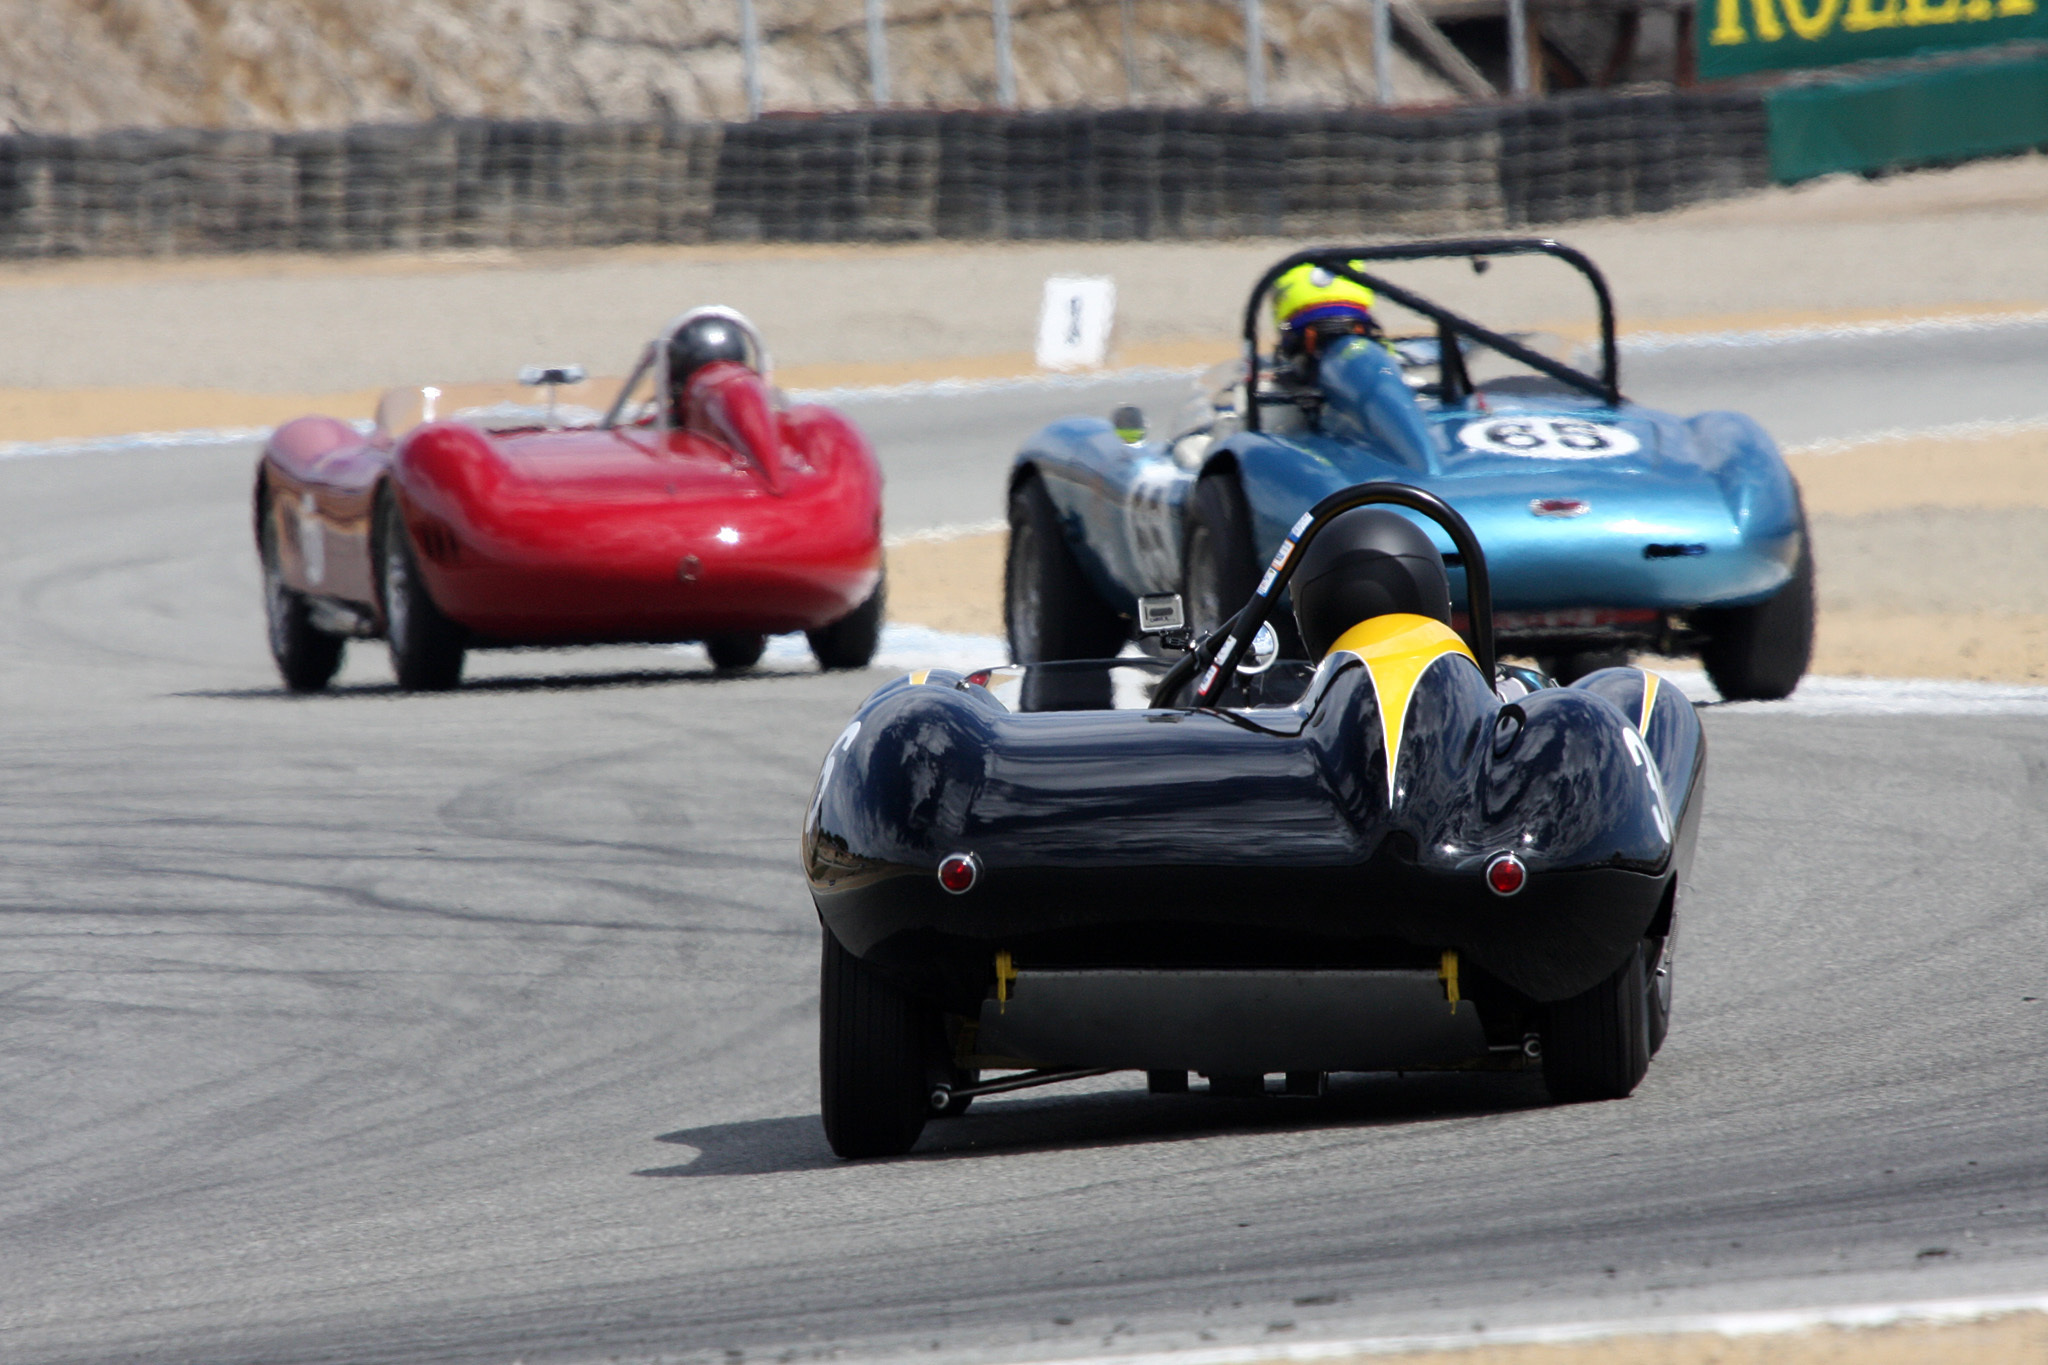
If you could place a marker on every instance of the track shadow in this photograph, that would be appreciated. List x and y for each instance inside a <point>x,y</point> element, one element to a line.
<point>1113,1119</point>
<point>544,682</point>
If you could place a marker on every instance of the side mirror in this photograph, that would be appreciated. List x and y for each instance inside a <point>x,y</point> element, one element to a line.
<point>1129,422</point>
<point>1162,614</point>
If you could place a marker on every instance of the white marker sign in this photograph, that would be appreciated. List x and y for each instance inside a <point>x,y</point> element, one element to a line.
<point>1075,321</point>
<point>1547,438</point>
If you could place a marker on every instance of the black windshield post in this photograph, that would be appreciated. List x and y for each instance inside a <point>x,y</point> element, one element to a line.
<point>1454,384</point>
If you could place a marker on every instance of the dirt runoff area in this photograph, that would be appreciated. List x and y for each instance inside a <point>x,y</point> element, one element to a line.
<point>1932,557</point>
<point>2014,1339</point>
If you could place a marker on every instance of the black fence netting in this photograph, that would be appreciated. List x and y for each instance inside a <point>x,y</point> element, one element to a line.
<point>1108,175</point>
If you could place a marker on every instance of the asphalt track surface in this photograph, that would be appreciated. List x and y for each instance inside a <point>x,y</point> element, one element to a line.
<point>370,1027</point>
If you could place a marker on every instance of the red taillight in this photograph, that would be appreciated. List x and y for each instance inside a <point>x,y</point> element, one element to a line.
<point>1505,875</point>
<point>958,872</point>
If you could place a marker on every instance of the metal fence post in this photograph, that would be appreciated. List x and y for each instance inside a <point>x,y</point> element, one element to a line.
<point>750,56</point>
<point>1130,51</point>
<point>1518,48</point>
<point>1254,55</point>
<point>878,54</point>
<point>1006,73</point>
<point>1382,52</point>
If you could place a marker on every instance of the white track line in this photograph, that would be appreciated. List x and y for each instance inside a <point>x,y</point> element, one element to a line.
<point>1954,431</point>
<point>939,534</point>
<point>1646,343</point>
<point>1768,1323</point>
<point>967,388</point>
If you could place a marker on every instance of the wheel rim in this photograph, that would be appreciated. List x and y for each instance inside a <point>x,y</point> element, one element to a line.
<point>397,587</point>
<point>276,597</point>
<point>1659,968</point>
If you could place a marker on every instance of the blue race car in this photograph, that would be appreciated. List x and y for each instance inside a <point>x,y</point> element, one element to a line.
<point>1612,528</point>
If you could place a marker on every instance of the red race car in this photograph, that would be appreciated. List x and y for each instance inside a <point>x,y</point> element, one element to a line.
<point>697,508</point>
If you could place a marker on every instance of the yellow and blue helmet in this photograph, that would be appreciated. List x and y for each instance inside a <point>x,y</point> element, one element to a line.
<point>1309,294</point>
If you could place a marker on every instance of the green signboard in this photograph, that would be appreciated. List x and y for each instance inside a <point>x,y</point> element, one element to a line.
<point>1741,36</point>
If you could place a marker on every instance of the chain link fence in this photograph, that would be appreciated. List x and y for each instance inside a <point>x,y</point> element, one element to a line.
<point>882,177</point>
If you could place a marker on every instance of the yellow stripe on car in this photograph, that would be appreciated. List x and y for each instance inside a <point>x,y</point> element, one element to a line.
<point>1397,650</point>
<point>917,678</point>
<point>1650,681</point>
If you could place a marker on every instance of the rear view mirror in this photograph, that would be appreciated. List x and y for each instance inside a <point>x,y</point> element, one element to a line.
<point>552,376</point>
<point>1129,422</point>
<point>535,375</point>
<point>1265,648</point>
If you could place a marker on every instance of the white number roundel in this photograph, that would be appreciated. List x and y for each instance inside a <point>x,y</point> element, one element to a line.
<point>1547,438</point>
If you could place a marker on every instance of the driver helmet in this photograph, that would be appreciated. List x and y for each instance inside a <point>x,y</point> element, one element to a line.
<point>704,335</point>
<point>1313,305</point>
<point>1368,562</point>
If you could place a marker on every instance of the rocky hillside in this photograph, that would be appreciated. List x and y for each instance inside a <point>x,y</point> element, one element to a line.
<point>75,66</point>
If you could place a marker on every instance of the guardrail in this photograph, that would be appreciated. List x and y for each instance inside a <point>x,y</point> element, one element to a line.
<point>889,176</point>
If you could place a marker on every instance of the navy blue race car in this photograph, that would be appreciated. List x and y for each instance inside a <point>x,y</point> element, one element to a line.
<point>1613,528</point>
<point>1400,857</point>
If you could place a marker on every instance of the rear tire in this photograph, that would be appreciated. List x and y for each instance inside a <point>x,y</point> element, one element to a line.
<point>1759,653</point>
<point>735,651</point>
<point>873,1046</point>
<point>426,647</point>
<point>1050,610</point>
<point>307,657</point>
<point>1221,565</point>
<point>851,641</point>
<point>1596,1046</point>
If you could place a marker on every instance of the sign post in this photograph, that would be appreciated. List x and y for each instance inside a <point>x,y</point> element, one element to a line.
<point>1074,322</point>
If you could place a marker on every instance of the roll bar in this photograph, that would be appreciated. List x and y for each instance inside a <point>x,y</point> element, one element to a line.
<point>1236,634</point>
<point>1339,261</point>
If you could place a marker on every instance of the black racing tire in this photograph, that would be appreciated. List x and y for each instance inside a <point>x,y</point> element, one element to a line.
<point>1596,1046</point>
<point>1050,610</point>
<point>851,641</point>
<point>1220,562</point>
<point>874,1043</point>
<point>426,647</point>
<point>735,650</point>
<point>307,657</point>
<point>1760,652</point>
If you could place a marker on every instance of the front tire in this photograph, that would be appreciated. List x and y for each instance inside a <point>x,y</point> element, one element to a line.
<point>426,647</point>
<point>873,1042</point>
<point>851,641</point>
<point>1760,652</point>
<point>1596,1046</point>
<point>307,657</point>
<point>1050,610</point>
